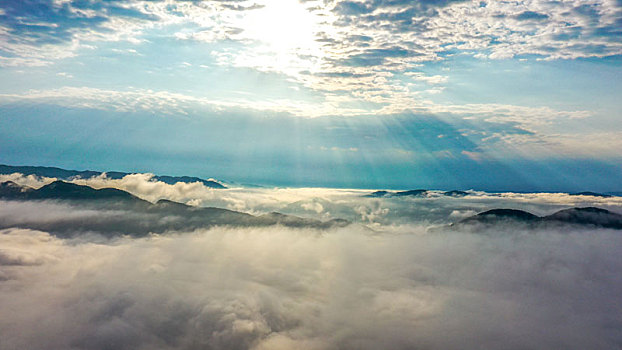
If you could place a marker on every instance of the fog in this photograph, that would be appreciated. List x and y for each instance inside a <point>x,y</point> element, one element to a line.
<point>384,282</point>
<point>276,288</point>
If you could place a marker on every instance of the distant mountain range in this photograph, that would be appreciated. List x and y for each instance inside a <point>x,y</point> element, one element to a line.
<point>588,216</point>
<point>593,194</point>
<point>63,174</point>
<point>456,193</point>
<point>116,212</point>
<point>414,193</point>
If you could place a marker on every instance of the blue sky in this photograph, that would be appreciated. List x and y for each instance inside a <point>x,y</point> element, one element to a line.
<point>521,95</point>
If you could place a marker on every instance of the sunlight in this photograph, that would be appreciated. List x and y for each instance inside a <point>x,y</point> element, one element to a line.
<point>286,31</point>
<point>283,25</point>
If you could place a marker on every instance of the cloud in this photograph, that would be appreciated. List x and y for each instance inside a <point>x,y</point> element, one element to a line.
<point>386,281</point>
<point>172,103</point>
<point>271,288</point>
<point>376,37</point>
<point>367,44</point>
<point>531,15</point>
<point>476,156</point>
<point>27,180</point>
<point>500,126</point>
<point>41,32</point>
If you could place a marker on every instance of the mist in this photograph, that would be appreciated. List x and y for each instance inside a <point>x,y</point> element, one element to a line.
<point>277,288</point>
<point>397,277</point>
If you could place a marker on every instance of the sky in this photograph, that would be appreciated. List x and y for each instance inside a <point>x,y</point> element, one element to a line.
<point>488,95</point>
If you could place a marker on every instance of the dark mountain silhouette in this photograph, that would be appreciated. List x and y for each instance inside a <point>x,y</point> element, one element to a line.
<point>171,180</point>
<point>589,216</point>
<point>47,171</point>
<point>295,221</point>
<point>10,189</point>
<point>65,190</point>
<point>172,205</point>
<point>64,174</point>
<point>378,194</point>
<point>62,190</point>
<point>495,215</point>
<point>455,193</point>
<point>587,193</point>
<point>414,193</point>
<point>116,212</point>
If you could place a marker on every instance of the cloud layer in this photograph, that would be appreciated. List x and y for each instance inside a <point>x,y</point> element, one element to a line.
<point>355,54</point>
<point>283,289</point>
<point>386,281</point>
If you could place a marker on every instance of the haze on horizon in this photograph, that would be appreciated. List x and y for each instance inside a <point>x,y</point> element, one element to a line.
<point>489,95</point>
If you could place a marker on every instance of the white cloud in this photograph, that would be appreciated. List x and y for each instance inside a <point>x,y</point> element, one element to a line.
<point>265,288</point>
<point>351,61</point>
<point>27,180</point>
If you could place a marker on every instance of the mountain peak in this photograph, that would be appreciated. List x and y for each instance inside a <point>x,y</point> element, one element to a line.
<point>590,216</point>
<point>593,194</point>
<point>63,174</point>
<point>498,215</point>
<point>10,189</point>
<point>66,190</point>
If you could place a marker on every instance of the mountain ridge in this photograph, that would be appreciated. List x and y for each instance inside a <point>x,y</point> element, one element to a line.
<point>64,174</point>
<point>418,193</point>
<point>584,216</point>
<point>160,217</point>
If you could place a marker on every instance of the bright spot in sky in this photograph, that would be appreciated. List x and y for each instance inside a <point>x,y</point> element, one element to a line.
<point>286,31</point>
<point>283,25</point>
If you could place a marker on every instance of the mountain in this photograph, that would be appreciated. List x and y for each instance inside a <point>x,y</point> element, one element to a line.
<point>588,216</point>
<point>295,221</point>
<point>64,174</point>
<point>411,193</point>
<point>455,193</point>
<point>10,189</point>
<point>414,193</point>
<point>594,194</point>
<point>498,215</point>
<point>64,191</point>
<point>113,212</point>
<point>47,171</point>
<point>378,194</point>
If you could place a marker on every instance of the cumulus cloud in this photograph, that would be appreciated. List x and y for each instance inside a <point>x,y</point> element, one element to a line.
<point>39,33</point>
<point>27,180</point>
<point>355,53</point>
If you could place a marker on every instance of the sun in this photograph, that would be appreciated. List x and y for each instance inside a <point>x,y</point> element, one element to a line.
<point>283,25</point>
<point>284,33</point>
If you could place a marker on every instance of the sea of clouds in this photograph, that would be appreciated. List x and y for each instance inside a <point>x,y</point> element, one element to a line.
<point>385,282</point>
